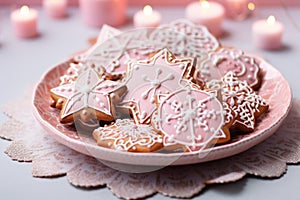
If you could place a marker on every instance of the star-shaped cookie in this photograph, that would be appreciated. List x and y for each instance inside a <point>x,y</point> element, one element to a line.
<point>90,95</point>
<point>161,74</point>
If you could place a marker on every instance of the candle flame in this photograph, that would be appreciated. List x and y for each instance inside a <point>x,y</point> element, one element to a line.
<point>271,20</point>
<point>148,10</point>
<point>204,4</point>
<point>251,6</point>
<point>24,10</point>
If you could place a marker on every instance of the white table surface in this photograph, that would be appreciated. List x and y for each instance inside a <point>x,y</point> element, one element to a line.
<point>22,63</point>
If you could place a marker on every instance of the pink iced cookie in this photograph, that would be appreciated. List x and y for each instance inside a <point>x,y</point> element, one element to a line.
<point>185,38</point>
<point>218,63</point>
<point>88,96</point>
<point>146,79</point>
<point>190,117</point>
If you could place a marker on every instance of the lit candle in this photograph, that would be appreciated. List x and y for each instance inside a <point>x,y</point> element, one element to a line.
<point>209,14</point>
<point>55,8</point>
<point>147,18</point>
<point>267,34</point>
<point>237,9</point>
<point>24,22</point>
<point>95,13</point>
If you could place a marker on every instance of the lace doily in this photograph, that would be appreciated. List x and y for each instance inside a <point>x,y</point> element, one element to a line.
<point>49,159</point>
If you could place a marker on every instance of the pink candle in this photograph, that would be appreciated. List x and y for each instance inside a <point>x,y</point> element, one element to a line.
<point>95,13</point>
<point>147,18</point>
<point>55,8</point>
<point>209,14</point>
<point>24,22</point>
<point>267,34</point>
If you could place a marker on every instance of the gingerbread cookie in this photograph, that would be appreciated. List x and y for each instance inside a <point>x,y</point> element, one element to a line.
<point>146,79</point>
<point>244,103</point>
<point>125,135</point>
<point>190,117</point>
<point>89,96</point>
<point>218,63</point>
<point>185,38</point>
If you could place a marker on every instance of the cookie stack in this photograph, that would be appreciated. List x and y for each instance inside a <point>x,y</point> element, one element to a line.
<point>162,90</point>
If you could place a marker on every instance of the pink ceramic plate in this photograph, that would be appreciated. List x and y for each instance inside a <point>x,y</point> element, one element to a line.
<point>275,89</point>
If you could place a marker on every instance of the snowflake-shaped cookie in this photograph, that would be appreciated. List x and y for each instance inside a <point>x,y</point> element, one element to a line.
<point>125,135</point>
<point>146,79</point>
<point>185,38</point>
<point>190,117</point>
<point>245,104</point>
<point>88,95</point>
<point>219,63</point>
